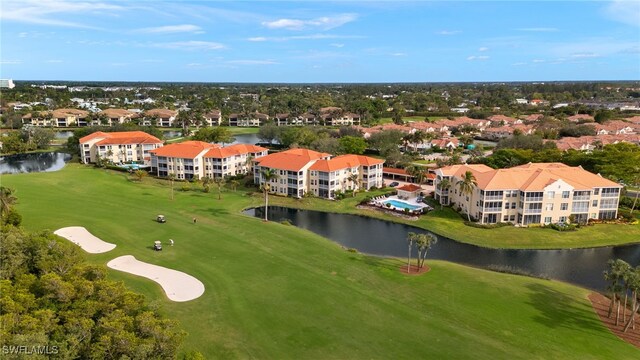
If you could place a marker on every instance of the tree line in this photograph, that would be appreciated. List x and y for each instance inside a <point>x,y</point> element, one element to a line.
<point>50,297</point>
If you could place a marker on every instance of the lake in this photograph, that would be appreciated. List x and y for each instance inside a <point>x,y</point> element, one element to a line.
<point>33,162</point>
<point>583,267</point>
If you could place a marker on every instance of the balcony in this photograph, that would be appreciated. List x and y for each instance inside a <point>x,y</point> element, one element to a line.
<point>533,199</point>
<point>609,195</point>
<point>581,197</point>
<point>533,211</point>
<point>493,209</point>
<point>493,197</point>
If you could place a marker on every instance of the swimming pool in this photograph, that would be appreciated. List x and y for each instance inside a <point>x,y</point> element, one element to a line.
<point>402,205</point>
<point>130,166</point>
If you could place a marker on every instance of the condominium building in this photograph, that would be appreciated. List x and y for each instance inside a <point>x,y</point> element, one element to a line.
<point>57,118</point>
<point>197,159</point>
<point>535,193</point>
<point>302,171</point>
<point>231,160</point>
<point>118,147</point>
<point>160,117</point>
<point>345,172</point>
<point>117,116</point>
<point>251,119</point>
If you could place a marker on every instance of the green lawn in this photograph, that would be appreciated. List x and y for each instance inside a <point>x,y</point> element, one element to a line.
<point>276,292</point>
<point>447,222</point>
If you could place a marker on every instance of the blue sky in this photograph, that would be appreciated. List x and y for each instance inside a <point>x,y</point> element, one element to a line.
<point>309,41</point>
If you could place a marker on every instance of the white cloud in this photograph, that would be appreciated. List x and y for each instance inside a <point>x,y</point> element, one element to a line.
<point>337,45</point>
<point>449,32</point>
<point>539,29</point>
<point>584,55</point>
<point>398,54</point>
<point>53,61</point>
<point>252,62</point>
<point>519,64</point>
<point>474,57</point>
<point>23,35</point>
<point>194,64</point>
<point>10,62</point>
<point>53,12</point>
<point>170,29</point>
<point>627,12</point>
<point>537,61</point>
<point>324,23</point>
<point>304,37</point>
<point>483,49</point>
<point>190,45</point>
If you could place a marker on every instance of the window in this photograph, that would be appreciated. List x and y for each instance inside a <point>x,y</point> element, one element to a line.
<point>551,194</point>
<point>512,218</point>
<point>563,219</point>
<point>596,191</point>
<point>548,207</point>
<point>565,194</point>
<point>564,206</point>
<point>505,218</point>
<point>595,203</point>
<point>513,205</point>
<point>547,220</point>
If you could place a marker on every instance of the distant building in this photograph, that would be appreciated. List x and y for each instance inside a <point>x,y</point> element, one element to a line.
<point>7,84</point>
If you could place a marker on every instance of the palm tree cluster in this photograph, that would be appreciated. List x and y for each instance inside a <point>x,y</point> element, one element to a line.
<point>624,282</point>
<point>424,243</point>
<point>7,200</point>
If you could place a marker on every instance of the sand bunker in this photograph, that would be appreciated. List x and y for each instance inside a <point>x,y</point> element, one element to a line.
<point>177,285</point>
<point>83,238</point>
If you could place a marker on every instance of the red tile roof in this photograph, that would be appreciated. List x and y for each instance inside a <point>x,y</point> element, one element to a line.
<point>344,162</point>
<point>122,137</point>
<point>409,188</point>
<point>291,160</point>
<point>185,150</point>
<point>233,150</point>
<point>395,171</point>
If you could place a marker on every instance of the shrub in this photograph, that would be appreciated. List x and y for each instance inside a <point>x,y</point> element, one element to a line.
<point>488,226</point>
<point>286,222</point>
<point>561,227</point>
<point>185,187</point>
<point>352,250</point>
<point>12,218</point>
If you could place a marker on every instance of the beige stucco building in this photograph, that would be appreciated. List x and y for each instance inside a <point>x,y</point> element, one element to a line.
<point>118,147</point>
<point>197,159</point>
<point>302,171</point>
<point>535,193</point>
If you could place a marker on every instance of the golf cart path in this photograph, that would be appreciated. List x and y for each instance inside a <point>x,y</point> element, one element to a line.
<point>86,240</point>
<point>177,285</point>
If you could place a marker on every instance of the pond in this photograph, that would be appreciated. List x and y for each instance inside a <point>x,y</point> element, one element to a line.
<point>583,267</point>
<point>248,139</point>
<point>33,162</point>
<point>62,135</point>
<point>171,134</point>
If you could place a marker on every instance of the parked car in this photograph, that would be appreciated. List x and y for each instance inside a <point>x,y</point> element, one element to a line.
<point>161,219</point>
<point>157,246</point>
<point>394,184</point>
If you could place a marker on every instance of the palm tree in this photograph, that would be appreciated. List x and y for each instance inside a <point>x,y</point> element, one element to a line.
<point>633,281</point>
<point>411,238</point>
<point>424,242</point>
<point>6,200</point>
<point>234,184</point>
<point>206,182</point>
<point>267,176</point>
<point>466,185</point>
<point>219,181</point>
<point>353,178</point>
<point>417,172</point>
<point>444,185</point>
<point>614,274</point>
<point>139,174</point>
<point>172,177</point>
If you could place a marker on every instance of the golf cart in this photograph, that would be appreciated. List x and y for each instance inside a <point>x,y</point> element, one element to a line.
<point>157,246</point>
<point>161,219</point>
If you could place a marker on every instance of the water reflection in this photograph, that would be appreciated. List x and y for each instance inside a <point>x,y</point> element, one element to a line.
<point>582,267</point>
<point>34,162</point>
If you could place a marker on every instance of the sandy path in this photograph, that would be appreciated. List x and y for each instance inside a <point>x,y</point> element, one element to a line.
<point>83,238</point>
<point>177,285</point>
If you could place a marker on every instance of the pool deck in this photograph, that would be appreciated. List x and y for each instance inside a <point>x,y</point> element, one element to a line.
<point>412,201</point>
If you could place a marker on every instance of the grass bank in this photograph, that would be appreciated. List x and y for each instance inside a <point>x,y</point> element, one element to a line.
<point>276,292</point>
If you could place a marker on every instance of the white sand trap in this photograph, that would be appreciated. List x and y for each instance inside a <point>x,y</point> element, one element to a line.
<point>177,285</point>
<point>83,238</point>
